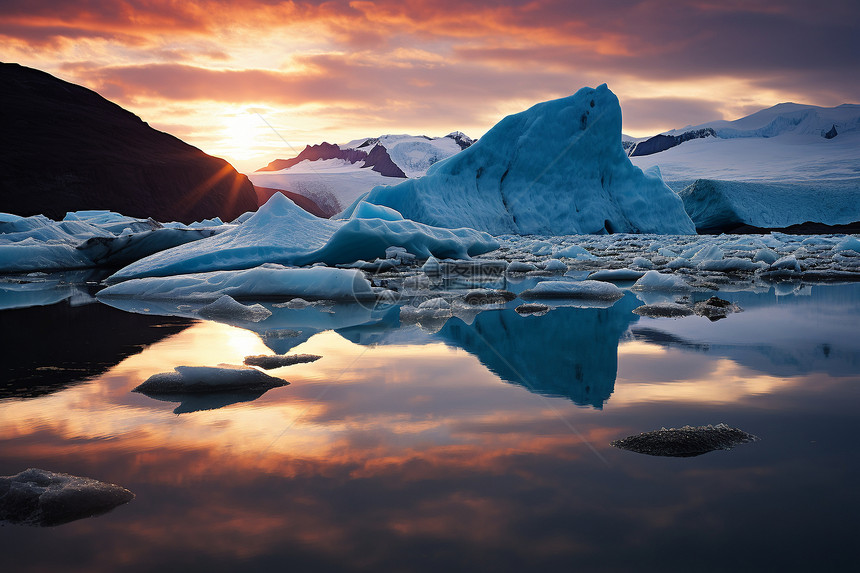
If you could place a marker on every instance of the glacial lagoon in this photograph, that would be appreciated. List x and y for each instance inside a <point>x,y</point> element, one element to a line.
<point>472,442</point>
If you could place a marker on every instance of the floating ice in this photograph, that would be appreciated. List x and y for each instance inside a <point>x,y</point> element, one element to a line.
<point>226,307</point>
<point>685,442</point>
<point>277,361</point>
<point>656,281</point>
<point>587,290</point>
<point>556,168</point>
<point>261,282</point>
<point>187,379</point>
<point>616,275</point>
<point>573,252</point>
<point>43,498</point>
<point>280,232</point>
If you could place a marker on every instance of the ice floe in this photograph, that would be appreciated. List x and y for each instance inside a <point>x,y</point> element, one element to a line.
<point>43,498</point>
<point>280,232</point>
<point>192,379</point>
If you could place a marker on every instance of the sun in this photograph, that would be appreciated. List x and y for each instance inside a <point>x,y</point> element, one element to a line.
<point>240,133</point>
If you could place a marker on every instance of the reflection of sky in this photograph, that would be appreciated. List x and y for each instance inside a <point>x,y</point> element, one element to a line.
<point>417,457</point>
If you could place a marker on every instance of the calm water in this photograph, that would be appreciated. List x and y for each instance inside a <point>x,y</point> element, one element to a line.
<point>481,446</point>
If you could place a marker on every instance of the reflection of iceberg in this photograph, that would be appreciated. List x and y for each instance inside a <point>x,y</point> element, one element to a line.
<point>212,401</point>
<point>286,328</point>
<point>777,335</point>
<point>47,348</point>
<point>43,289</point>
<point>570,352</point>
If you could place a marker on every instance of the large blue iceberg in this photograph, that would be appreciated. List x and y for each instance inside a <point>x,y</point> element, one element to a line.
<point>557,168</point>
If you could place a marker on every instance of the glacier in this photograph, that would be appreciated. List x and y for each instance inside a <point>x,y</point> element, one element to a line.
<point>557,168</point>
<point>723,205</point>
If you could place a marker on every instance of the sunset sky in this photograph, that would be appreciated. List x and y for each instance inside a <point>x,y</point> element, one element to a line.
<point>216,72</point>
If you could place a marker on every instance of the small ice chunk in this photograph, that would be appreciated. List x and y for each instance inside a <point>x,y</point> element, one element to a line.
<point>431,266</point>
<point>731,264</point>
<point>588,290</point>
<point>555,266</point>
<point>268,362</point>
<point>616,275</point>
<point>641,263</point>
<point>787,263</point>
<point>482,296</point>
<point>663,310</point>
<point>520,267</point>
<point>848,244</point>
<point>188,379</point>
<point>532,309</point>
<point>655,281</point>
<point>226,307</point>
<point>43,498</point>
<point>765,255</point>
<point>715,308</point>
<point>366,210</point>
<point>437,303</point>
<point>573,252</point>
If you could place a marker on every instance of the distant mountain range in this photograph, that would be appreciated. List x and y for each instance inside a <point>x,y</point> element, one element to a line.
<point>781,119</point>
<point>66,148</point>
<point>332,176</point>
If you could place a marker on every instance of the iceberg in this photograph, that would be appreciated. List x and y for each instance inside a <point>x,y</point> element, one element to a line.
<point>557,168</point>
<point>283,233</point>
<point>267,281</point>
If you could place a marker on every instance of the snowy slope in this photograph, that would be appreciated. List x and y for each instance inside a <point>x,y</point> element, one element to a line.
<point>785,165</point>
<point>788,157</point>
<point>556,168</point>
<point>784,118</point>
<point>334,183</point>
<point>413,154</point>
<point>785,142</point>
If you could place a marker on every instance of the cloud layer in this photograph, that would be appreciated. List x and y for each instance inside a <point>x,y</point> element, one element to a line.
<point>338,69</point>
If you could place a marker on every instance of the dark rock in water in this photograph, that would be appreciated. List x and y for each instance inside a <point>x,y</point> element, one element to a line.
<point>685,442</point>
<point>66,148</point>
<point>479,297</point>
<point>715,308</point>
<point>269,362</point>
<point>832,133</point>
<point>532,309</point>
<point>663,310</point>
<point>42,498</point>
<point>190,379</point>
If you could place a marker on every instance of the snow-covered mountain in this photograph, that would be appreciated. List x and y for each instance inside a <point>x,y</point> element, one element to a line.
<point>806,155</point>
<point>334,175</point>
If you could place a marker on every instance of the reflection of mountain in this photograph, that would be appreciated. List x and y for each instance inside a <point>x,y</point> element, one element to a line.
<point>569,352</point>
<point>48,348</point>
<point>785,336</point>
